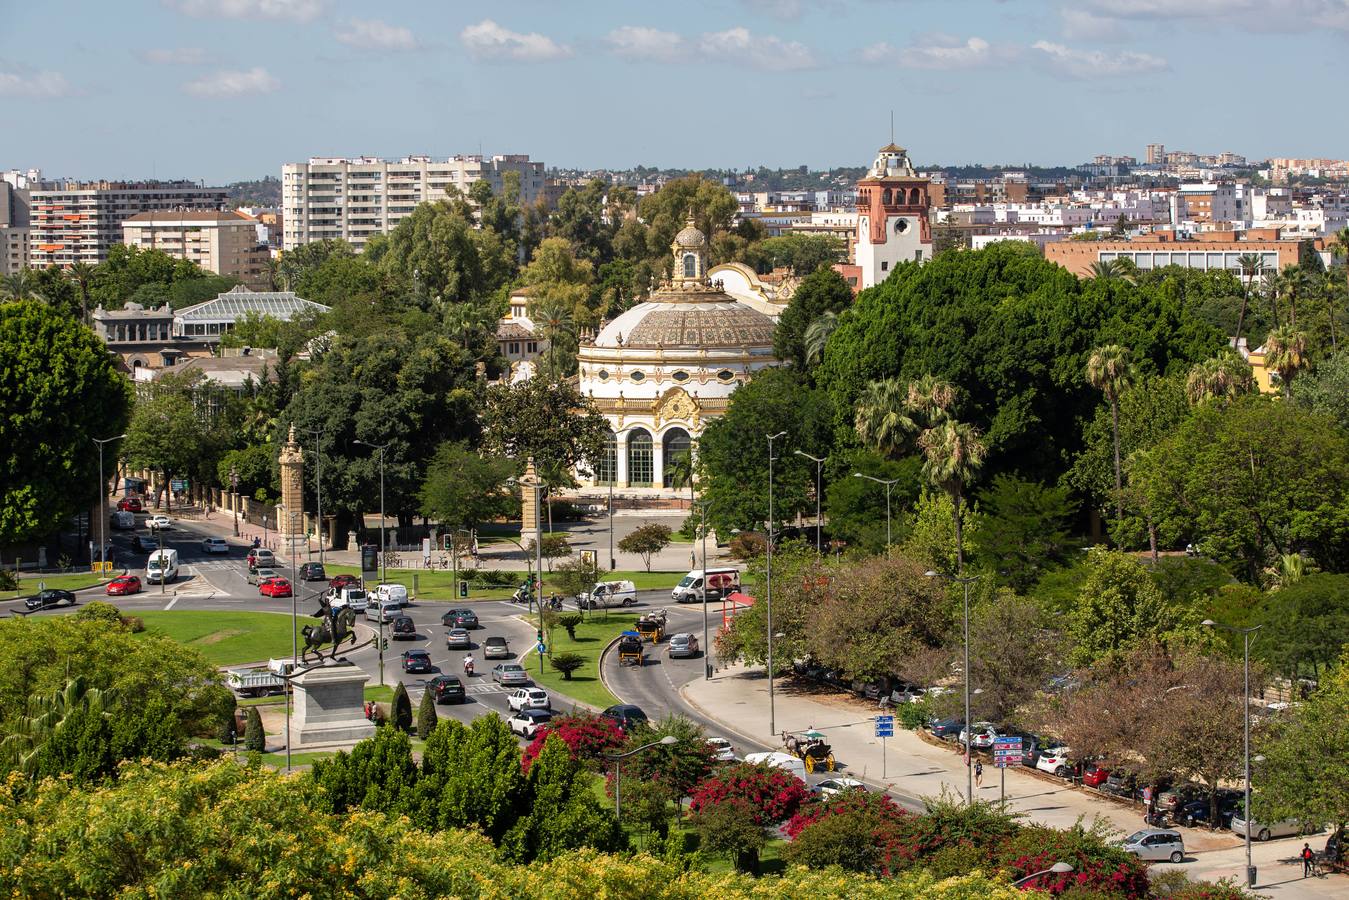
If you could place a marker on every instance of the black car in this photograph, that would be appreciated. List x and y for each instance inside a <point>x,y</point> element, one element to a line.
<point>1196,812</point>
<point>447,689</point>
<point>416,661</point>
<point>625,716</point>
<point>1120,784</point>
<point>312,571</point>
<point>50,599</point>
<point>460,618</point>
<point>403,627</point>
<point>947,729</point>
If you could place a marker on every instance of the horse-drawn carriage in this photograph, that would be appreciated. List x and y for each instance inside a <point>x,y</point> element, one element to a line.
<point>630,652</point>
<point>812,750</point>
<point>651,626</point>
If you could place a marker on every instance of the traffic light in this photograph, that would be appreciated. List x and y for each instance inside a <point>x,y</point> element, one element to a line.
<point>540,635</point>
<point>463,589</point>
<point>384,643</point>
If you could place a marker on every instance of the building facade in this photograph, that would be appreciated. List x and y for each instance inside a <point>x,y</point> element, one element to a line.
<point>225,243</point>
<point>893,225</point>
<point>81,221</point>
<point>354,199</point>
<point>1220,252</point>
<point>208,320</point>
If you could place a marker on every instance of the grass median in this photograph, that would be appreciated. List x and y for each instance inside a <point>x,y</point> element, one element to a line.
<point>438,584</point>
<point>592,636</point>
<point>226,638</point>
<point>74,581</point>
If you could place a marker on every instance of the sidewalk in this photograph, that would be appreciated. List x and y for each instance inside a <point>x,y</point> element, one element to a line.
<point>737,698</point>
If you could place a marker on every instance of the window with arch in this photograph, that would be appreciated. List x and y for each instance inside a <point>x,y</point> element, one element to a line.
<point>606,467</point>
<point>636,376</point>
<point>678,453</point>
<point>690,265</point>
<point>639,458</point>
<point>885,197</point>
<point>725,375</point>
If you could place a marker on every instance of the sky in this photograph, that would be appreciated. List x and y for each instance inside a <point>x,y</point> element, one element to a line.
<point>221,90</point>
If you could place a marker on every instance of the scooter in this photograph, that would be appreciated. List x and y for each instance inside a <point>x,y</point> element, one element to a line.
<point>522,595</point>
<point>555,602</point>
<point>468,667</point>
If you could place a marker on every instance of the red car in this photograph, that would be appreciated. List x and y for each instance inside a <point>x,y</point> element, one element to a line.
<point>340,581</point>
<point>1094,775</point>
<point>124,584</point>
<point>274,587</point>
<point>129,504</point>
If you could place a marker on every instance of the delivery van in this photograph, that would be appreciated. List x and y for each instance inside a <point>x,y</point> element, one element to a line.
<point>162,567</point>
<point>720,582</point>
<point>123,520</point>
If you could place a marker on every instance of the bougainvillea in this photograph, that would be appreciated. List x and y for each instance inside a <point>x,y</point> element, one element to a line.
<point>774,794</point>
<point>587,736</point>
<point>880,806</point>
<point>1096,864</point>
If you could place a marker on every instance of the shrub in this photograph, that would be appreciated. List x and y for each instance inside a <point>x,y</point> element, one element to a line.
<point>1097,865</point>
<point>226,734</point>
<point>731,828</point>
<point>566,663</point>
<point>8,580</point>
<point>912,716</point>
<point>748,545</point>
<point>586,735</point>
<point>569,622</point>
<point>402,708</point>
<point>773,794</point>
<point>847,840</point>
<point>254,737</point>
<point>876,808</point>
<point>426,714</point>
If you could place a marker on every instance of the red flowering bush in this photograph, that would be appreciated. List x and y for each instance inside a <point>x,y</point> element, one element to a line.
<point>878,806</point>
<point>773,794</point>
<point>587,736</point>
<point>1097,865</point>
<point>1223,889</point>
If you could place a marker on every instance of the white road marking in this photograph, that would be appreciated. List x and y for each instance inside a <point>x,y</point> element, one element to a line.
<point>171,602</point>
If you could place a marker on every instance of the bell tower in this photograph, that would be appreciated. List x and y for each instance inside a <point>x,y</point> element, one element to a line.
<point>893,224</point>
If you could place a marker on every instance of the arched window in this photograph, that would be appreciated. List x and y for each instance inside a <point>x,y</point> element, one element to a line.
<point>639,458</point>
<point>606,467</point>
<point>678,452</point>
<point>885,197</point>
<point>690,266</point>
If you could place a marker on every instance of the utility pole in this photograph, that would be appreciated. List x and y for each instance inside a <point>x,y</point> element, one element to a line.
<point>103,504</point>
<point>318,486</point>
<point>234,497</point>
<point>772,713</point>
<point>383,550</point>
<point>889,483</point>
<point>819,522</point>
<point>707,647</point>
<point>965,582</point>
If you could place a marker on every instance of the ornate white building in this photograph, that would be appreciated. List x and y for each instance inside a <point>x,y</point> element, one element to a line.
<point>660,370</point>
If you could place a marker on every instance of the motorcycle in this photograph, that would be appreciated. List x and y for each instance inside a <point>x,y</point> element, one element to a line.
<point>555,602</point>
<point>522,595</point>
<point>468,667</point>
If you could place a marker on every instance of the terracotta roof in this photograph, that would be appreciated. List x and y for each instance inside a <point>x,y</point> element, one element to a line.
<point>511,331</point>
<point>170,216</point>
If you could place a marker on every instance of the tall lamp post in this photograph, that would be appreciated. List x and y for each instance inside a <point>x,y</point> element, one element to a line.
<point>707,660</point>
<point>965,582</point>
<point>530,572</point>
<point>103,503</point>
<point>617,760</point>
<point>772,713</point>
<point>889,483</point>
<point>1245,726</point>
<point>294,627</point>
<point>318,485</point>
<point>234,497</point>
<point>383,548</point>
<point>819,523</point>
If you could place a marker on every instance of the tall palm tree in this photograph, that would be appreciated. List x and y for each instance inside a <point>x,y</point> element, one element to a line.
<point>953,454</point>
<point>932,397</point>
<point>817,335</point>
<point>20,286</point>
<point>1110,371</point>
<point>556,319</point>
<point>1252,266</point>
<point>1105,270</point>
<point>1286,353</point>
<point>1293,282</point>
<point>1338,249</point>
<point>883,416</point>
<point>82,274</point>
<point>1220,378</point>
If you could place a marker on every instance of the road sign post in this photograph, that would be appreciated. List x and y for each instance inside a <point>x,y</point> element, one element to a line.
<point>885,728</point>
<point>1006,752</point>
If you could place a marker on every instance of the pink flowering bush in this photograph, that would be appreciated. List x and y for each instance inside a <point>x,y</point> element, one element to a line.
<point>773,794</point>
<point>587,736</point>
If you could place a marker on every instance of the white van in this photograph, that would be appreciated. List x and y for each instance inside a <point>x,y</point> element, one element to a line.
<point>162,566</point>
<point>123,520</point>
<point>720,582</point>
<point>778,760</point>
<point>608,593</point>
<point>390,593</point>
<point>354,597</point>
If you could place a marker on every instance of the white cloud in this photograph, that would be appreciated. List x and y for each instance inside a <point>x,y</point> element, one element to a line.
<point>174,56</point>
<point>647,44</point>
<point>488,40</point>
<point>1261,16</point>
<point>256,80</point>
<point>21,81</point>
<point>372,34</point>
<point>1085,25</point>
<point>762,52</point>
<point>280,10</point>
<point>1097,63</point>
<point>938,52</point>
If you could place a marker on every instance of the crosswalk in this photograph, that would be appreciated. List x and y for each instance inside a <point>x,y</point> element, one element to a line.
<point>487,689</point>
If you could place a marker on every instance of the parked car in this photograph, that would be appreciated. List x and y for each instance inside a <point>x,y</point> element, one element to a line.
<point>1056,761</point>
<point>447,689</point>
<point>458,639</point>
<point>1094,775</point>
<point>496,648</point>
<point>160,522</point>
<point>1120,784</point>
<point>123,585</point>
<point>312,571</point>
<point>529,698</point>
<point>509,673</point>
<point>1173,798</point>
<point>390,593</point>
<point>1264,831</point>
<point>460,618</point>
<point>130,504</point>
<point>722,751</point>
<point>947,729</point>
<point>403,627</point>
<point>261,558</point>
<point>214,545</point>
<point>49,599</point>
<point>275,587</point>
<point>1197,812</point>
<point>682,645</point>
<point>839,784</point>
<point>625,715</point>
<point>337,582</point>
<point>984,733</point>
<point>258,576</point>
<point>1156,844</point>
<point>527,722</point>
<point>416,661</point>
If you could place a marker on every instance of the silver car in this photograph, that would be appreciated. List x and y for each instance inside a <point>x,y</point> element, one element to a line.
<point>509,673</point>
<point>683,645</point>
<point>258,576</point>
<point>1156,844</point>
<point>1263,831</point>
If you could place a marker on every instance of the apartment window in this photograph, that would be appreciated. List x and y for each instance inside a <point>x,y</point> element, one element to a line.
<point>532,347</point>
<point>885,265</point>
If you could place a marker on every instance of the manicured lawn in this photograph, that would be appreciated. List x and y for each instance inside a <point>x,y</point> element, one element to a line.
<point>591,637</point>
<point>380,694</point>
<point>75,581</point>
<point>225,638</point>
<point>297,758</point>
<point>439,585</point>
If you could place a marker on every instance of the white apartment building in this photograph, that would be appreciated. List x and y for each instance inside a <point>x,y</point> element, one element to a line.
<point>225,243</point>
<point>353,199</point>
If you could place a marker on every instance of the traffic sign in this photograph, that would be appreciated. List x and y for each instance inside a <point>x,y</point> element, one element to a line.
<point>178,484</point>
<point>542,648</point>
<point>885,726</point>
<point>1007,752</point>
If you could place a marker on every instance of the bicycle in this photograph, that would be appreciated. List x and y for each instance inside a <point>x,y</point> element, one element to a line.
<point>392,560</point>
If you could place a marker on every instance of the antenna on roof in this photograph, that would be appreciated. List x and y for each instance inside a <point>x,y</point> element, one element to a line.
<point>892,126</point>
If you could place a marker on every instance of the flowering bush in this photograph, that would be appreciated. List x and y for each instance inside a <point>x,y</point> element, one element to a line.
<point>877,806</point>
<point>587,736</point>
<point>1096,864</point>
<point>772,793</point>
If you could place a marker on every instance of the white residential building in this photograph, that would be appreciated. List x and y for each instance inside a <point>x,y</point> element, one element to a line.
<point>353,199</point>
<point>225,243</point>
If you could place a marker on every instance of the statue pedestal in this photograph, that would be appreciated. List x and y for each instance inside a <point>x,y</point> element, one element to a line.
<point>330,706</point>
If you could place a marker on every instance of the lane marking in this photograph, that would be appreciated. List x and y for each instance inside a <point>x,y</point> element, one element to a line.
<point>171,602</point>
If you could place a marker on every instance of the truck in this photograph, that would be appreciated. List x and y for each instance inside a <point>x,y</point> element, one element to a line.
<point>608,593</point>
<point>258,681</point>
<point>720,583</point>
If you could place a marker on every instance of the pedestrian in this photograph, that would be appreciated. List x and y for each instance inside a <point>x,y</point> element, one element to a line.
<point>1307,857</point>
<point>978,773</point>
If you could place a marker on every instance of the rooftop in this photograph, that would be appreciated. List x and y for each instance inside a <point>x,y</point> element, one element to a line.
<point>239,301</point>
<point>189,215</point>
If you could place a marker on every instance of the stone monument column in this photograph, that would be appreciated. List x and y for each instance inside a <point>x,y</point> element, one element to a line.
<point>292,490</point>
<point>529,507</point>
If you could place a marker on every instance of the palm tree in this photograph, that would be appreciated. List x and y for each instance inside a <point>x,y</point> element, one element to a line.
<point>82,274</point>
<point>1291,283</point>
<point>1110,371</point>
<point>817,335</point>
<point>28,733</point>
<point>883,418</point>
<point>1338,249</point>
<point>1222,377</point>
<point>931,397</point>
<point>20,286</point>
<point>1252,266</point>
<point>556,319</point>
<point>1105,270</point>
<point>1286,353</point>
<point>953,454</point>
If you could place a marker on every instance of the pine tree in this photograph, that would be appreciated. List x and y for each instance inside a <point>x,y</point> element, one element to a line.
<point>402,708</point>
<point>254,737</point>
<point>426,714</point>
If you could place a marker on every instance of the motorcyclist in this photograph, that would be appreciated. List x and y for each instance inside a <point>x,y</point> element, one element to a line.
<point>468,665</point>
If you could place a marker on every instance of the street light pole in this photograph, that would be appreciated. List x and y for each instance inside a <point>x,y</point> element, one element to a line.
<point>772,713</point>
<point>613,476</point>
<point>889,483</point>
<point>965,581</point>
<point>819,523</point>
<point>234,497</point>
<point>383,550</point>
<point>617,760</point>
<point>1245,727</point>
<point>707,660</point>
<point>294,629</point>
<point>318,486</point>
<point>103,504</point>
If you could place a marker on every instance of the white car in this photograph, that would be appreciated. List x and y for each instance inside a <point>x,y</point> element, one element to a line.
<point>721,749</point>
<point>831,787</point>
<point>984,733</point>
<point>527,722</point>
<point>528,698</point>
<point>354,597</point>
<point>214,545</point>
<point>1055,761</point>
<point>390,593</point>
<point>155,523</point>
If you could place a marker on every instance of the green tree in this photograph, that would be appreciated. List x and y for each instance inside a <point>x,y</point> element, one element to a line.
<point>426,714</point>
<point>731,829</point>
<point>463,489</point>
<point>255,739</point>
<point>378,774</point>
<point>60,391</point>
<point>1025,528</point>
<point>573,576</point>
<point>470,777</point>
<point>646,541</point>
<point>822,291</point>
<point>165,435</point>
<point>804,254</point>
<point>1252,266</point>
<point>563,813</point>
<point>855,507</point>
<point>1286,354</point>
<point>666,211</point>
<point>1305,626</point>
<point>1219,378</point>
<point>552,423</point>
<point>437,251</point>
<point>401,708</point>
<point>1118,608</point>
<point>20,286</point>
<point>1325,389</point>
<point>680,766</point>
<point>81,274</point>
<point>953,455</point>
<point>1014,649</point>
<point>1111,371</point>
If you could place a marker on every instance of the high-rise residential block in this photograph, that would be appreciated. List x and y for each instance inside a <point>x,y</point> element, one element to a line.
<point>227,243</point>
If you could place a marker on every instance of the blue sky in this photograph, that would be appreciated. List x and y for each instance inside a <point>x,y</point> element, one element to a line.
<point>227,89</point>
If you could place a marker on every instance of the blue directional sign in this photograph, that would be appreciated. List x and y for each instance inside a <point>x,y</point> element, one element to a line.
<point>542,648</point>
<point>1007,752</point>
<point>885,726</point>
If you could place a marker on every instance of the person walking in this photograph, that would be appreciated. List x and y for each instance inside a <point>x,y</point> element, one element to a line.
<point>1308,857</point>
<point>978,773</point>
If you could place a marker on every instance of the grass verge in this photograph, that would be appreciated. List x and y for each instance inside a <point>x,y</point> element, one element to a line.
<point>439,585</point>
<point>591,638</point>
<point>74,581</point>
<point>225,638</point>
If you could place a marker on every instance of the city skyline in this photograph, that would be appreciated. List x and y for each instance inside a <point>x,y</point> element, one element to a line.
<point>232,89</point>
